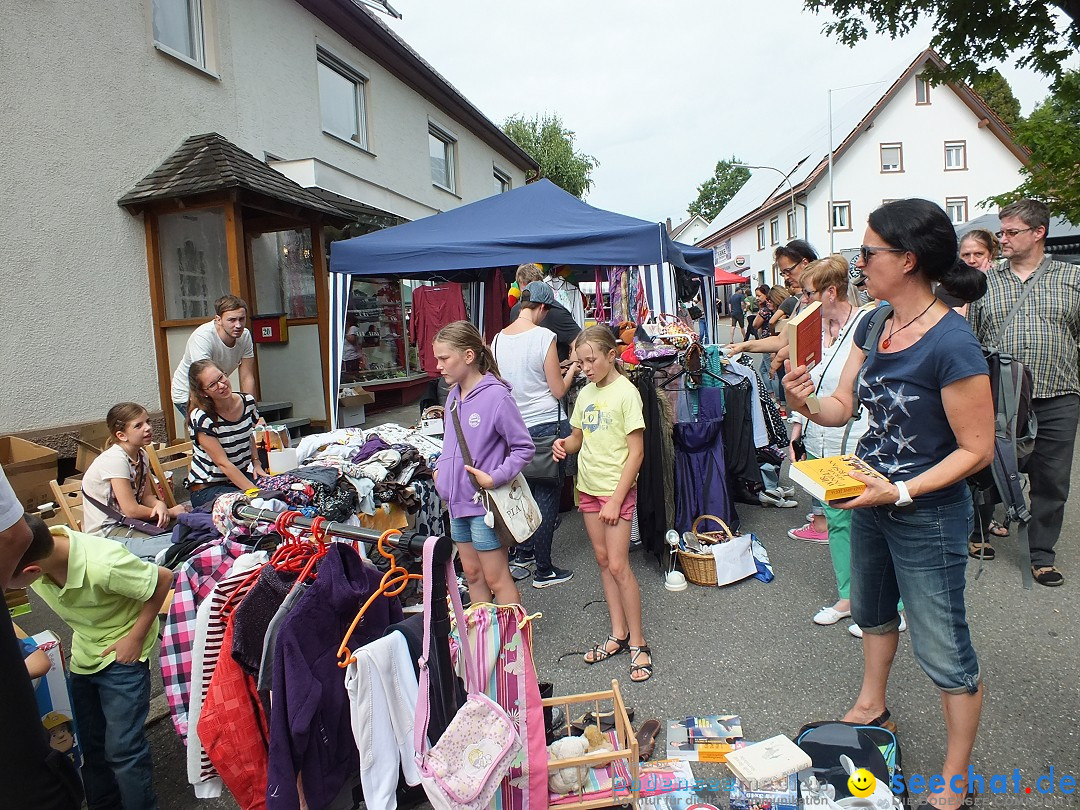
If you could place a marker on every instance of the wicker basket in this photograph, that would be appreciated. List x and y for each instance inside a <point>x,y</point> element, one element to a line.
<point>700,569</point>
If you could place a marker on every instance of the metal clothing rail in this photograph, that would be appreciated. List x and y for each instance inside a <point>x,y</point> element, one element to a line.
<point>441,666</point>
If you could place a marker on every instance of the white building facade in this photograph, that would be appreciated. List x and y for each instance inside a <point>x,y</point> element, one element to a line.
<point>941,143</point>
<point>98,95</point>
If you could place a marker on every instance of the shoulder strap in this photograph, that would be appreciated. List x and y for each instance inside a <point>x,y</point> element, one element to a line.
<point>423,706</point>
<point>465,454</point>
<point>1025,291</point>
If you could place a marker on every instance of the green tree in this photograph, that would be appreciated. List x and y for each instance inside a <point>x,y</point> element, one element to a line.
<point>997,93</point>
<point>967,35</point>
<point>1052,134</point>
<point>552,146</point>
<point>717,191</point>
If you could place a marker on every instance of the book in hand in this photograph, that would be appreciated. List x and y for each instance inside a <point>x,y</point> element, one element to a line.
<point>828,479</point>
<point>762,763</point>
<point>804,343</point>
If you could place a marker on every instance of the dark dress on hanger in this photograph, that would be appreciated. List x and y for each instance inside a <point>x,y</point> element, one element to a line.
<point>701,478</point>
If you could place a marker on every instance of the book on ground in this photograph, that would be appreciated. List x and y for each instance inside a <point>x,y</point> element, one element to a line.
<point>804,343</point>
<point>780,795</point>
<point>828,479</point>
<point>762,763</point>
<point>707,738</point>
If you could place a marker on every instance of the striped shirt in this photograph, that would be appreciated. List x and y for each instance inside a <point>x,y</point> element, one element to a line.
<point>235,439</point>
<point>1045,332</point>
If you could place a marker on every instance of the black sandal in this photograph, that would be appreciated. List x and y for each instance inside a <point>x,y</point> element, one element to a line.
<point>646,668</point>
<point>981,550</point>
<point>600,652</point>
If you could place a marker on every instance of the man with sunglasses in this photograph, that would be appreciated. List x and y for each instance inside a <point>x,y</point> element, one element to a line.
<point>1043,334</point>
<point>226,341</point>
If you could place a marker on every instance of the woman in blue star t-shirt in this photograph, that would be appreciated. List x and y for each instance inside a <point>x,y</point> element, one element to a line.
<point>925,385</point>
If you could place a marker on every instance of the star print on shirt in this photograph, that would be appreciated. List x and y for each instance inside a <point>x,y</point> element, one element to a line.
<point>904,442</point>
<point>899,400</point>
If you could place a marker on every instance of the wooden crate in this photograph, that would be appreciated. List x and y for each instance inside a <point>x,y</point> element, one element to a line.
<point>626,746</point>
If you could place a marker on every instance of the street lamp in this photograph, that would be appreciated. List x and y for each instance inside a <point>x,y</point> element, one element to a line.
<point>791,188</point>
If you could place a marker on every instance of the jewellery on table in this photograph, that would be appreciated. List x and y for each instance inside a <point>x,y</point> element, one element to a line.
<point>888,341</point>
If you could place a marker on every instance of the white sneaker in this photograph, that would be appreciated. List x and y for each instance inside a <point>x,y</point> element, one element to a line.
<point>856,631</point>
<point>830,615</point>
<point>773,497</point>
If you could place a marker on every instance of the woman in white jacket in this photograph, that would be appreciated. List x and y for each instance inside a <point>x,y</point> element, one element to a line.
<point>826,280</point>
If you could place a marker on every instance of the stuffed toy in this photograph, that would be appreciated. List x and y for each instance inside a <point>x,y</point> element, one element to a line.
<point>567,780</point>
<point>598,741</point>
<point>513,295</point>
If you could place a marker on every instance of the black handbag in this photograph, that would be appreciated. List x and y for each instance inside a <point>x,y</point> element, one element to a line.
<point>544,469</point>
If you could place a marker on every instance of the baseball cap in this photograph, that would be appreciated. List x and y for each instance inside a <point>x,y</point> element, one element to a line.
<point>539,293</point>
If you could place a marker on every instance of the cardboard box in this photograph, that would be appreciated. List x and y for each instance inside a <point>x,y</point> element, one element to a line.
<point>351,416</point>
<point>91,441</point>
<point>54,701</point>
<point>355,395</point>
<point>29,467</point>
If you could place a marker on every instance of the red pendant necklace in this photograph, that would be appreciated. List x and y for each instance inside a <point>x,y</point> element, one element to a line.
<point>888,341</point>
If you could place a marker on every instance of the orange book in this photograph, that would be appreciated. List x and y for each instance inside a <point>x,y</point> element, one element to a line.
<point>804,343</point>
<point>827,479</point>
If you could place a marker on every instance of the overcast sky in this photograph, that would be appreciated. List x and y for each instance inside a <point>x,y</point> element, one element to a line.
<point>658,91</point>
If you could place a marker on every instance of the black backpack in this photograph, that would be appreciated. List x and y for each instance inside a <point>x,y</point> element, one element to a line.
<point>872,747</point>
<point>1015,426</point>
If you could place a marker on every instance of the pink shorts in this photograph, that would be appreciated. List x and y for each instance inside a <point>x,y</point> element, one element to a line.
<point>594,503</point>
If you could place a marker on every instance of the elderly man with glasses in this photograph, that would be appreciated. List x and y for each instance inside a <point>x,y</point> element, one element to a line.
<point>1043,333</point>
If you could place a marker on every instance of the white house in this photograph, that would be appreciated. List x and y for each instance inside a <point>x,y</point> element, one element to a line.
<point>689,231</point>
<point>891,141</point>
<point>178,109</point>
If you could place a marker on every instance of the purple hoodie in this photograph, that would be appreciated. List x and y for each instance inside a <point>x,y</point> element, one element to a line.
<point>498,441</point>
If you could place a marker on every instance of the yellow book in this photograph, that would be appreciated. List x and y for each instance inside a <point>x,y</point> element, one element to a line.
<point>827,478</point>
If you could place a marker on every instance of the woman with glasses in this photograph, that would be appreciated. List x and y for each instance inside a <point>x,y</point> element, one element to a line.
<point>930,424</point>
<point>220,422</point>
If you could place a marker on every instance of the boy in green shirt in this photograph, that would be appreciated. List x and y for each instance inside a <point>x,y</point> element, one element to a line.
<point>110,599</point>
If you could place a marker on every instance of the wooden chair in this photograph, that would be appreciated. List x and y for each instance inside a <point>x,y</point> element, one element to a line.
<point>167,459</point>
<point>70,501</point>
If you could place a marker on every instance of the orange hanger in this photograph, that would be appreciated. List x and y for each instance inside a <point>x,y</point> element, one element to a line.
<point>393,582</point>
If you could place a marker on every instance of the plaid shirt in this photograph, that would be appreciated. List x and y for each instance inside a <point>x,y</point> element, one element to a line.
<point>1045,333</point>
<point>194,582</point>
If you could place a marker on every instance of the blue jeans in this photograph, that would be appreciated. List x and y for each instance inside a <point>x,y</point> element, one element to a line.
<point>210,494</point>
<point>547,494</point>
<point>919,554</point>
<point>110,709</point>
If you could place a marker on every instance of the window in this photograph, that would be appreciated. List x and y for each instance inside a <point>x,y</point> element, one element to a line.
<point>441,152</point>
<point>502,181</point>
<point>341,101</point>
<point>774,231</point>
<point>957,209</point>
<point>955,156</point>
<point>761,236</point>
<point>892,157</point>
<point>194,262</point>
<point>841,216</point>
<point>178,29</point>
<point>922,90</point>
<point>284,273</point>
<point>792,224</point>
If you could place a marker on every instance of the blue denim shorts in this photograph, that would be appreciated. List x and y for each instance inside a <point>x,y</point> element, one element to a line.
<point>474,530</point>
<point>918,554</point>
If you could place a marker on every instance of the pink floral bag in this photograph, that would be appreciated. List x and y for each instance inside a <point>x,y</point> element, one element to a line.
<point>464,768</point>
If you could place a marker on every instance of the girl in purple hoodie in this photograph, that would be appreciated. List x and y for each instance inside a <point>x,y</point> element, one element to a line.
<point>500,446</point>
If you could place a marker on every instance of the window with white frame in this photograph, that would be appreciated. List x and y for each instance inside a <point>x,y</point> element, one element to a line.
<point>761,236</point>
<point>178,29</point>
<point>841,216</point>
<point>892,157</point>
<point>792,224</point>
<point>922,90</point>
<point>774,231</point>
<point>502,181</point>
<point>342,104</point>
<point>957,209</point>
<point>955,156</point>
<point>441,152</point>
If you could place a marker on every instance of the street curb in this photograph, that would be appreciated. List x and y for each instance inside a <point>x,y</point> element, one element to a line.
<point>159,710</point>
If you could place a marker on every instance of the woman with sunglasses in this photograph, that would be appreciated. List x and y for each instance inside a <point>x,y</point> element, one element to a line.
<point>925,385</point>
<point>220,422</point>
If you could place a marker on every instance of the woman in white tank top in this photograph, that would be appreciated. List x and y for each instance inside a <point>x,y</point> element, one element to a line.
<point>528,360</point>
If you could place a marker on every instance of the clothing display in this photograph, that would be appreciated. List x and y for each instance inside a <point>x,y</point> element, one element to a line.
<point>432,308</point>
<point>701,476</point>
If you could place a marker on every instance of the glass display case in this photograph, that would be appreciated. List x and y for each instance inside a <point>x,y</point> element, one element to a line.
<point>376,342</point>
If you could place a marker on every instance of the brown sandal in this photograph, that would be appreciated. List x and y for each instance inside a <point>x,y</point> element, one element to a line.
<point>646,739</point>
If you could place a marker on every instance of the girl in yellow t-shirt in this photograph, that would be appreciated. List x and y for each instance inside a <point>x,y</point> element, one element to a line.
<point>607,428</point>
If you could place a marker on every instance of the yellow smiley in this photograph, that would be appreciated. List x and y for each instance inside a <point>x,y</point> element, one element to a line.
<point>861,783</point>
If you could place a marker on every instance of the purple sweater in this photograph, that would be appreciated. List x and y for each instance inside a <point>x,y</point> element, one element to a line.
<point>309,722</point>
<point>497,438</point>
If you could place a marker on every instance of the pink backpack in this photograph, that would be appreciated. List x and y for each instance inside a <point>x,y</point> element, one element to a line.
<point>464,768</point>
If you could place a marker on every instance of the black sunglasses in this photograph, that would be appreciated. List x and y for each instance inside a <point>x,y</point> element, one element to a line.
<point>866,252</point>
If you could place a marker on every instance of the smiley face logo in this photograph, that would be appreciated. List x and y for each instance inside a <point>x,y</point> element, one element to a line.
<point>861,783</point>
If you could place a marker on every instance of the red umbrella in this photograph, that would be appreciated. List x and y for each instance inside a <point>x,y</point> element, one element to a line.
<point>724,277</point>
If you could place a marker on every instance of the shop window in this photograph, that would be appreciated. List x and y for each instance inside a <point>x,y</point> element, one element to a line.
<point>194,262</point>
<point>841,216</point>
<point>178,29</point>
<point>956,208</point>
<point>892,157</point>
<point>761,236</point>
<point>955,156</point>
<point>774,231</point>
<point>441,152</point>
<point>376,346</point>
<point>284,274</point>
<point>341,101</point>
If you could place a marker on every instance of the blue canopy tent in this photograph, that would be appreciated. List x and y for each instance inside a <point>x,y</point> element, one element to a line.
<point>538,222</point>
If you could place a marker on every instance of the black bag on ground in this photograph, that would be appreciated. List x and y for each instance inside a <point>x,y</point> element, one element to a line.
<point>870,747</point>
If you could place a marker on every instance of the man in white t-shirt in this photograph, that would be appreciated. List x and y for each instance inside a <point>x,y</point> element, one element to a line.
<point>226,341</point>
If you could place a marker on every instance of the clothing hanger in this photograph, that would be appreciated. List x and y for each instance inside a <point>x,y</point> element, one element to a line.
<point>393,582</point>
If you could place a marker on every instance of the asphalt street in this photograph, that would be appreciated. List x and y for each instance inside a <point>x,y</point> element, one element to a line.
<point>751,649</point>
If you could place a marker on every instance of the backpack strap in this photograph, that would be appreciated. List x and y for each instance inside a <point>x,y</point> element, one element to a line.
<point>875,326</point>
